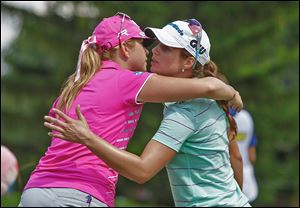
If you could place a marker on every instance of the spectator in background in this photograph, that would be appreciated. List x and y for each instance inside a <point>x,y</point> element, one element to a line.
<point>246,140</point>
<point>9,169</point>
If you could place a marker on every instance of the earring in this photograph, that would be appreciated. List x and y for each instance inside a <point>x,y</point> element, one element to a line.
<point>182,69</point>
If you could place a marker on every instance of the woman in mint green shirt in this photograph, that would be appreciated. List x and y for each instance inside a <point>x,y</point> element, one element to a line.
<point>194,137</point>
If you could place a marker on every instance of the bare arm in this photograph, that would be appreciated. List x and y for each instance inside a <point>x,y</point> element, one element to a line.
<point>236,162</point>
<point>165,89</point>
<point>137,168</point>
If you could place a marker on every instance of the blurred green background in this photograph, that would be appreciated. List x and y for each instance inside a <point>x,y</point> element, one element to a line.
<point>255,44</point>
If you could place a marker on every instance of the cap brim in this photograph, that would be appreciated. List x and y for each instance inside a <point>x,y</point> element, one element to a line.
<point>162,36</point>
<point>147,41</point>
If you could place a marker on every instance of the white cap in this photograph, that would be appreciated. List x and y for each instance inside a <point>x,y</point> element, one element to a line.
<point>178,34</point>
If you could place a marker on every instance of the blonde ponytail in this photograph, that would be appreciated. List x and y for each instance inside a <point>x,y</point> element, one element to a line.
<point>90,63</point>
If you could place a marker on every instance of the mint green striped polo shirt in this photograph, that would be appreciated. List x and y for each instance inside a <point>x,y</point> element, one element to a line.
<point>200,174</point>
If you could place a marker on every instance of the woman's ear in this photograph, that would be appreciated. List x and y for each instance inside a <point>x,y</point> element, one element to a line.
<point>124,50</point>
<point>189,62</point>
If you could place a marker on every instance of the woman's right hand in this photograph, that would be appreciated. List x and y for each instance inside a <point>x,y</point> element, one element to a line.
<point>70,130</point>
<point>236,102</point>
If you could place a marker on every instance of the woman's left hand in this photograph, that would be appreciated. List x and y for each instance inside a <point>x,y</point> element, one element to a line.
<point>70,129</point>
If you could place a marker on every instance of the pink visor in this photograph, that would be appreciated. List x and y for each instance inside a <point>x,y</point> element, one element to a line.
<point>111,31</point>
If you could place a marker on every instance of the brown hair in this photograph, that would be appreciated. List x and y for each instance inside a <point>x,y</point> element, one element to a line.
<point>211,69</point>
<point>90,64</point>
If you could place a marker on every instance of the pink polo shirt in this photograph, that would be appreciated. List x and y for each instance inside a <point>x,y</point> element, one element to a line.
<point>109,104</point>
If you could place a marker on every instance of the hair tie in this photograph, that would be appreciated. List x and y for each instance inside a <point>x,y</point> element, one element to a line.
<point>85,44</point>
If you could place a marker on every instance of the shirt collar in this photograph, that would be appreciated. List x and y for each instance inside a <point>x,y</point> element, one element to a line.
<point>109,64</point>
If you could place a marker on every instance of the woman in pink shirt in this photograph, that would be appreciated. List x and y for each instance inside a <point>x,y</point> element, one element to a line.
<point>110,84</point>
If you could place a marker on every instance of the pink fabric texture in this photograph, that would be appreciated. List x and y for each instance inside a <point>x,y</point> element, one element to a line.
<point>109,104</point>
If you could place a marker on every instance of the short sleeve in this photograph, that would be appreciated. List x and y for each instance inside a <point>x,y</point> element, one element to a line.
<point>175,129</point>
<point>130,84</point>
<point>253,141</point>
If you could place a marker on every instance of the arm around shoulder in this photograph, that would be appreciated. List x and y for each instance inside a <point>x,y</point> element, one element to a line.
<point>167,89</point>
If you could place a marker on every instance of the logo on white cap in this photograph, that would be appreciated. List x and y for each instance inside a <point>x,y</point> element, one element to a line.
<point>186,39</point>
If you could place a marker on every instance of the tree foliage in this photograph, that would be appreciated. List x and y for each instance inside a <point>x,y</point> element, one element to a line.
<point>255,44</point>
